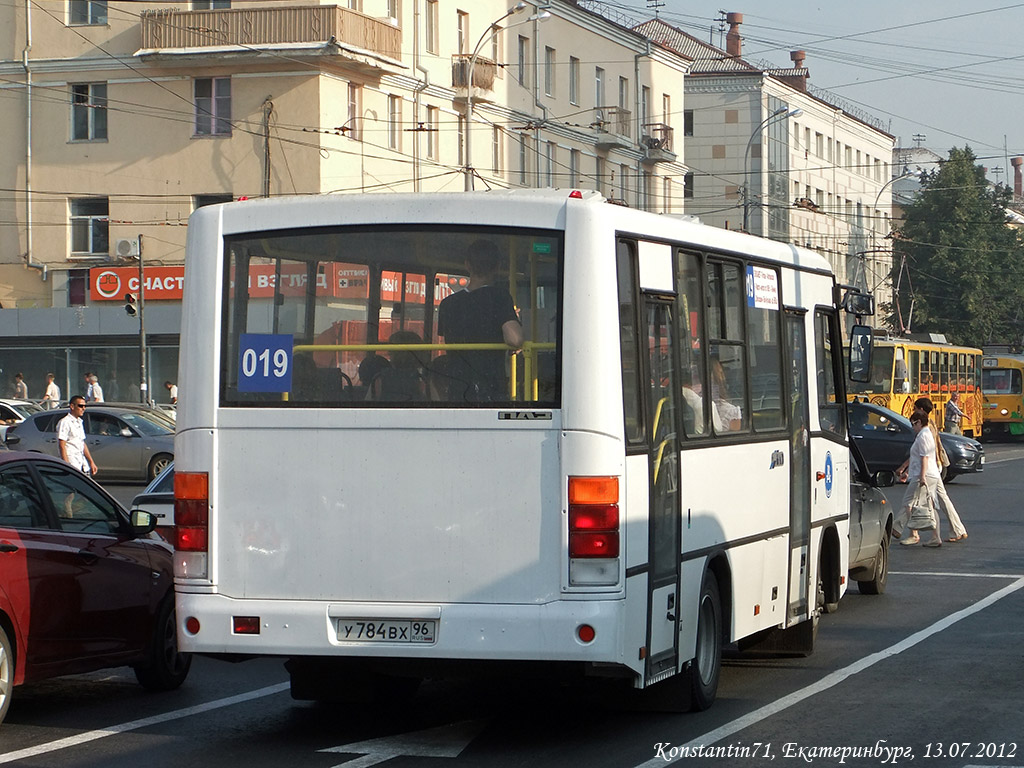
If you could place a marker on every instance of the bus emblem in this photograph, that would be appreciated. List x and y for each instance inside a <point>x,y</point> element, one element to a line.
<point>524,415</point>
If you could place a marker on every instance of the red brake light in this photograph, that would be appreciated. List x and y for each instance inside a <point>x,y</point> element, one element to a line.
<point>191,511</point>
<point>593,517</point>
<point>245,625</point>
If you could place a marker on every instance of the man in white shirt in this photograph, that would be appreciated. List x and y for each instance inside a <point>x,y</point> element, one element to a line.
<point>51,398</point>
<point>173,390</point>
<point>97,390</point>
<point>71,438</point>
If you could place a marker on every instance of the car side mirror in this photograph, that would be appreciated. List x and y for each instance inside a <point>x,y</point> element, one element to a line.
<point>11,440</point>
<point>125,432</point>
<point>883,478</point>
<point>143,522</point>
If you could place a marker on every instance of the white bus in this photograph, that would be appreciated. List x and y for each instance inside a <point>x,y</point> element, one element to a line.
<point>654,464</point>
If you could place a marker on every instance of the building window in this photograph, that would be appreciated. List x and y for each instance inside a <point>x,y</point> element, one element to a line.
<point>624,182</point>
<point>90,226</point>
<point>623,93</point>
<point>600,172</point>
<point>524,161</point>
<point>210,5</point>
<point>78,287</point>
<point>432,126</point>
<point>496,150</point>
<point>819,145</point>
<point>462,40</point>
<point>87,12</point>
<point>213,106</point>
<point>549,71</point>
<point>201,201</point>
<point>353,123</point>
<point>666,109</point>
<point>574,80</point>
<point>666,195</point>
<point>395,122</point>
<point>523,63</point>
<point>732,116</point>
<point>688,186</point>
<point>687,122</point>
<point>599,87</point>
<point>431,25</point>
<point>574,167</point>
<point>550,152</point>
<point>393,10</point>
<point>645,105</point>
<point>88,111</point>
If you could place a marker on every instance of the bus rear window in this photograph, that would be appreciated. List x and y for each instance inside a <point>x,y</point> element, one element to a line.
<point>392,317</point>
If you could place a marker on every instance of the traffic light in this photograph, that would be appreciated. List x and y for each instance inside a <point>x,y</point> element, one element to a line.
<point>131,304</point>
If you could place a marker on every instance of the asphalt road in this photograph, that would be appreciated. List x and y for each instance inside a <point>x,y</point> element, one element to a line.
<point>933,667</point>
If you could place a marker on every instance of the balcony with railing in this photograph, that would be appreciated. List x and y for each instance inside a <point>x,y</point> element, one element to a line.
<point>656,139</point>
<point>338,30</point>
<point>485,72</point>
<point>611,128</point>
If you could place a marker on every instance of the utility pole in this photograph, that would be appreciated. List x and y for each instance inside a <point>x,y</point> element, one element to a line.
<point>268,109</point>
<point>143,379</point>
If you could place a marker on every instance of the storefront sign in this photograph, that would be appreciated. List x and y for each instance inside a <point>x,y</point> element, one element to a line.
<point>112,283</point>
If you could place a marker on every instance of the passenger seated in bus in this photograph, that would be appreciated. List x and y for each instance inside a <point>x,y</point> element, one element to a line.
<point>405,379</point>
<point>484,313</point>
<point>693,404</point>
<point>728,413</point>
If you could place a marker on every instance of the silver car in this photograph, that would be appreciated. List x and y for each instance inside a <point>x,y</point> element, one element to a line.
<point>125,443</point>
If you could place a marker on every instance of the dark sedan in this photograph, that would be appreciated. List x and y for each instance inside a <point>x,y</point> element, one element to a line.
<point>125,443</point>
<point>83,584</point>
<point>884,438</point>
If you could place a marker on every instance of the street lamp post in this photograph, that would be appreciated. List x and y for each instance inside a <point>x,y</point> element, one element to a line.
<point>492,29</point>
<point>781,112</point>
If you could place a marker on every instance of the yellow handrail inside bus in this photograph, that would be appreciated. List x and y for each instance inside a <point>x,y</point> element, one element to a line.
<point>530,351</point>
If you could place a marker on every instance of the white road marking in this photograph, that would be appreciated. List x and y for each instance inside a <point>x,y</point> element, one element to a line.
<point>959,574</point>
<point>443,741</point>
<point>835,678</point>
<point>146,722</point>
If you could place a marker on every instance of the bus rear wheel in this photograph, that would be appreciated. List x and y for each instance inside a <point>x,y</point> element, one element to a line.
<point>706,667</point>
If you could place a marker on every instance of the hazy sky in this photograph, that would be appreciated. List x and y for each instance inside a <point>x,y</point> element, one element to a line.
<point>952,71</point>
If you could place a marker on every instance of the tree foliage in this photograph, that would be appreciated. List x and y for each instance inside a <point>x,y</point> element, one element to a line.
<point>959,267</point>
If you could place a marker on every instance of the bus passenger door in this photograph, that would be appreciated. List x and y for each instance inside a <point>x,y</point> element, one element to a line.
<point>799,466</point>
<point>662,414</point>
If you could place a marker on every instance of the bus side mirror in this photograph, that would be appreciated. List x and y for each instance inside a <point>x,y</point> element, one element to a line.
<point>861,342</point>
<point>859,304</point>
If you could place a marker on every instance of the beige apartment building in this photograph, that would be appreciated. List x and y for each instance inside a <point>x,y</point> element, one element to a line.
<point>121,118</point>
<point>770,155</point>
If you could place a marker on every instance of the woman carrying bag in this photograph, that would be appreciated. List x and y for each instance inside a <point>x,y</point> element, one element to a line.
<point>922,483</point>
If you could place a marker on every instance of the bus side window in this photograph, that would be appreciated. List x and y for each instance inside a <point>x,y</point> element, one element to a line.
<point>691,345</point>
<point>631,389</point>
<point>830,410</point>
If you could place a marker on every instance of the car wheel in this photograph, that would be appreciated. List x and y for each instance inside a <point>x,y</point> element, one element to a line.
<point>166,668</point>
<point>950,475</point>
<point>876,584</point>
<point>706,668</point>
<point>158,465</point>
<point>6,673</point>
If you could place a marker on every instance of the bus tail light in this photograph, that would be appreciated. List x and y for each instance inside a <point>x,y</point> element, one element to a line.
<point>593,531</point>
<point>192,525</point>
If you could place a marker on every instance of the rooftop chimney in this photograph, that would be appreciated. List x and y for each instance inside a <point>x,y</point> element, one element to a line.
<point>733,41</point>
<point>797,58</point>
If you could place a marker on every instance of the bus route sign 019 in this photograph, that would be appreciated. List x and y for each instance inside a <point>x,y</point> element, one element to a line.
<point>265,362</point>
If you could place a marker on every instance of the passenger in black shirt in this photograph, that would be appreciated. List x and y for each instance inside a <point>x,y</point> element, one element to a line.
<point>483,314</point>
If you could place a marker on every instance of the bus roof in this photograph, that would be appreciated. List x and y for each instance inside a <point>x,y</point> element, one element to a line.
<point>546,208</point>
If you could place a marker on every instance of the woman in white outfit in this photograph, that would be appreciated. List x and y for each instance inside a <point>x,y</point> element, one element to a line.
<point>923,479</point>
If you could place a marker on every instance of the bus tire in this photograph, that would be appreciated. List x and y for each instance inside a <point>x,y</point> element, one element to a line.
<point>828,589</point>
<point>166,668</point>
<point>880,575</point>
<point>6,673</point>
<point>705,669</point>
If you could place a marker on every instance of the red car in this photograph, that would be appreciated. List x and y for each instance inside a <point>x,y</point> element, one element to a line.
<point>83,585</point>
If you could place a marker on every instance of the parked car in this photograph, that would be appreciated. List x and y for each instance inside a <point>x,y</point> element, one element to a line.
<point>124,442</point>
<point>14,412</point>
<point>884,438</point>
<point>157,498</point>
<point>153,412</point>
<point>83,584</point>
<point>871,518</point>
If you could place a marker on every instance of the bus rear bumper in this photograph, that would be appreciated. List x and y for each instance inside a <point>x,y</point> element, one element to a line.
<point>546,632</point>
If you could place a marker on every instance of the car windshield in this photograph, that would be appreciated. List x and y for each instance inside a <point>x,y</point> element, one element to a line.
<point>144,425</point>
